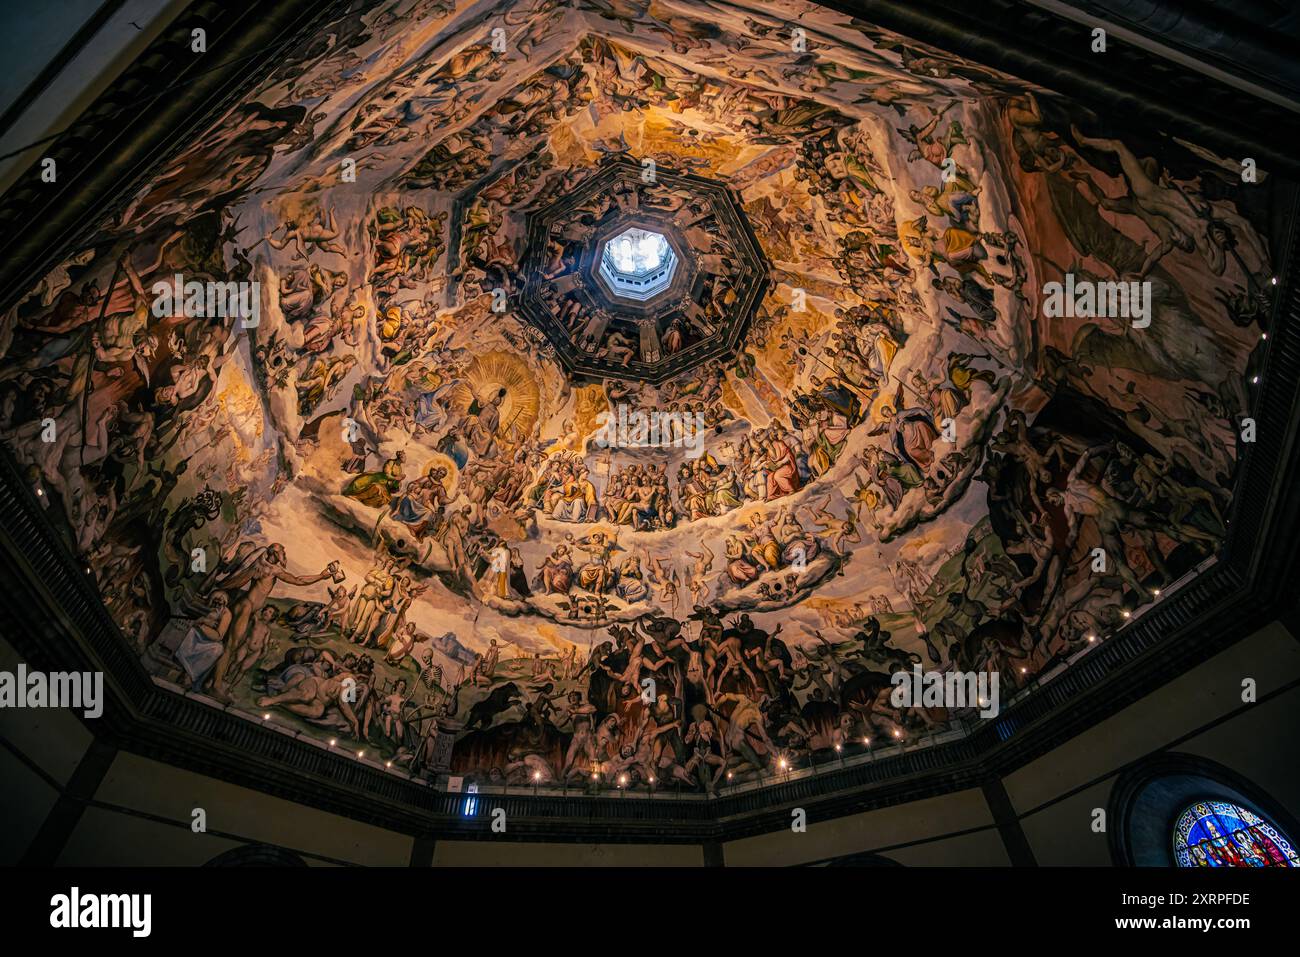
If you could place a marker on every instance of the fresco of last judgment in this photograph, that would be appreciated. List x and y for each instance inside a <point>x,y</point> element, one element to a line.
<point>623,392</point>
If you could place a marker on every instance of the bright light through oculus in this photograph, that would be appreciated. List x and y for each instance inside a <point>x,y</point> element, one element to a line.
<point>638,251</point>
<point>638,264</point>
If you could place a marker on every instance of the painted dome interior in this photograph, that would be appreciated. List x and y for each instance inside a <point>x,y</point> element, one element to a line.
<point>453,493</point>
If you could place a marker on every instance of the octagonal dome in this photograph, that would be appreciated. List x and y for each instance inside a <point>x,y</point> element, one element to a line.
<point>843,440</point>
<point>641,280</point>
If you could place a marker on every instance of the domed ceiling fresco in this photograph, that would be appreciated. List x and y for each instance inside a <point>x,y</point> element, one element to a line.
<point>434,490</point>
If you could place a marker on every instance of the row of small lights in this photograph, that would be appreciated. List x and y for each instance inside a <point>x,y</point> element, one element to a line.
<point>782,763</point>
<point>1254,380</point>
<point>1092,638</point>
<point>333,742</point>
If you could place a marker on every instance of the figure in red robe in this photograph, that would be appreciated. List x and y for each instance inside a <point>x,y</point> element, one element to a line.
<point>782,469</point>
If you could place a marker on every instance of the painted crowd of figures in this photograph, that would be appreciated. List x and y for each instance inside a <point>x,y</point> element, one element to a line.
<point>345,516</point>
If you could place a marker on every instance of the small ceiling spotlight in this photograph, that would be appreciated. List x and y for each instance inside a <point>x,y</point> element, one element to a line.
<point>267,716</point>
<point>333,741</point>
<point>1126,613</point>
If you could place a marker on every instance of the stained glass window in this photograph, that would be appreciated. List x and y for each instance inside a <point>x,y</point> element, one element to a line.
<point>1220,834</point>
